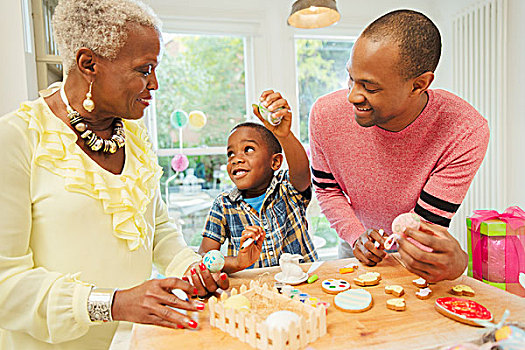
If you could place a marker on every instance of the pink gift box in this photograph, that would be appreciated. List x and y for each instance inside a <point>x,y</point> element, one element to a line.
<point>496,248</point>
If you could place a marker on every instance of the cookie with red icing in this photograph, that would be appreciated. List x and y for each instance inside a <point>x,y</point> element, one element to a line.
<point>463,310</point>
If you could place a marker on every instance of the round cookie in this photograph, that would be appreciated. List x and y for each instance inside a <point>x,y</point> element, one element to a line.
<point>334,286</point>
<point>355,300</point>
<point>462,310</point>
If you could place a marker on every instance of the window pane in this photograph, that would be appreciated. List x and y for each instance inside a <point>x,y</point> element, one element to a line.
<point>204,73</point>
<point>190,194</point>
<point>48,8</point>
<point>321,68</point>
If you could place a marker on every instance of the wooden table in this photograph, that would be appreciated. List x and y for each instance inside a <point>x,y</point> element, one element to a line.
<point>419,327</point>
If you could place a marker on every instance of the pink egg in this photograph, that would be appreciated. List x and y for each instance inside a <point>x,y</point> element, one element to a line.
<point>408,220</point>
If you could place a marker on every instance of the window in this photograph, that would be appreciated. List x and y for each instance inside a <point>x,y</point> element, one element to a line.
<point>198,73</point>
<point>321,68</point>
<point>48,62</point>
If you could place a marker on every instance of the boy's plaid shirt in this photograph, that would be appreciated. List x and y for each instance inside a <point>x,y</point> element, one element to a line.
<point>283,217</point>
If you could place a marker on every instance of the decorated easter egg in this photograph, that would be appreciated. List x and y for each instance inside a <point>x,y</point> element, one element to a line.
<point>237,302</point>
<point>268,115</point>
<point>214,260</point>
<point>282,319</point>
<point>404,221</point>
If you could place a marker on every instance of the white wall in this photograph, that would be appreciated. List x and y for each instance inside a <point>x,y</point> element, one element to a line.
<point>516,103</point>
<point>17,70</point>
<point>274,63</point>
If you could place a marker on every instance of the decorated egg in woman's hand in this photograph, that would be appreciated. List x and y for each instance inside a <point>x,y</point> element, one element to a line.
<point>214,260</point>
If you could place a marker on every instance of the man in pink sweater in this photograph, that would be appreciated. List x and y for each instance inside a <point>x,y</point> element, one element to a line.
<point>389,145</point>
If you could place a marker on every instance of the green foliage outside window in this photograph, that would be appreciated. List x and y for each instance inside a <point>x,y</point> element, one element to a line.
<point>321,68</point>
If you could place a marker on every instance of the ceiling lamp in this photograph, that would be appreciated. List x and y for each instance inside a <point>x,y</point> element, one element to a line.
<point>309,14</point>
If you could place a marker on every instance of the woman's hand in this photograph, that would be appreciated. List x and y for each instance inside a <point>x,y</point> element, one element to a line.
<point>447,261</point>
<point>273,101</point>
<point>368,248</point>
<point>152,302</point>
<point>204,281</point>
<point>249,255</point>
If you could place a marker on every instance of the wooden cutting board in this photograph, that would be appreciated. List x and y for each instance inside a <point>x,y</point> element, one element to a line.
<point>419,327</point>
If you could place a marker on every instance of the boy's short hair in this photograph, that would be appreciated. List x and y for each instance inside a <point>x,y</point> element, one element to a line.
<point>417,37</point>
<point>268,137</point>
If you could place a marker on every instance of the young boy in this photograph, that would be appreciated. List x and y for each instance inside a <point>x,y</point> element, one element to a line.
<point>266,206</point>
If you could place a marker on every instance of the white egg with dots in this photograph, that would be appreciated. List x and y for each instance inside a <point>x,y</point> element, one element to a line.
<point>213,260</point>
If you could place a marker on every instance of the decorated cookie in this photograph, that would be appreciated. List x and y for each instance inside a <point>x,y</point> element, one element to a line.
<point>368,279</point>
<point>355,300</point>
<point>334,286</point>
<point>463,310</point>
<point>397,304</point>
<point>424,293</point>
<point>395,290</point>
<point>461,289</point>
<point>420,282</point>
<point>213,260</point>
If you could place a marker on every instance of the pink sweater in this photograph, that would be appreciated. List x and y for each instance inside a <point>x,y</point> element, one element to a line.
<point>365,177</point>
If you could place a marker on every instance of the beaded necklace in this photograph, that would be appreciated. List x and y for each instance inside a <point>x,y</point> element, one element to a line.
<point>94,142</point>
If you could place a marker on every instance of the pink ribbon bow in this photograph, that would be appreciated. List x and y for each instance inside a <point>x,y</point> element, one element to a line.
<point>514,216</point>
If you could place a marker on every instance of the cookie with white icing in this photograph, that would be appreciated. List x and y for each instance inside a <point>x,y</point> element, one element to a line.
<point>395,290</point>
<point>355,300</point>
<point>368,279</point>
<point>396,304</point>
<point>420,282</point>
<point>461,289</point>
<point>424,293</point>
<point>334,286</point>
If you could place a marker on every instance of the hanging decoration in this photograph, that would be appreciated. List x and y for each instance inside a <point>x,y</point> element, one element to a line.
<point>197,120</point>
<point>179,119</point>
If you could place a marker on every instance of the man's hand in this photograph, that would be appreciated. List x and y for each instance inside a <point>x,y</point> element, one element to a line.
<point>368,248</point>
<point>447,261</point>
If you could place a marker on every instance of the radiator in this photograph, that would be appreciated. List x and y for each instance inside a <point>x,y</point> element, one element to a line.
<point>479,68</point>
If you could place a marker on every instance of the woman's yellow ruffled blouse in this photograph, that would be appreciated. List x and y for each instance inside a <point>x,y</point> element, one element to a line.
<point>67,224</point>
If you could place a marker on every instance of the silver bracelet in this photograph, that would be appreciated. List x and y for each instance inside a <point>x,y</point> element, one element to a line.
<point>99,304</point>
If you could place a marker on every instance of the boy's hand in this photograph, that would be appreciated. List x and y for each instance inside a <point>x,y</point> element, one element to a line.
<point>273,100</point>
<point>249,255</point>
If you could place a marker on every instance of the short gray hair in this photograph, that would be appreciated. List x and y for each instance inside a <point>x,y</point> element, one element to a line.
<point>98,25</point>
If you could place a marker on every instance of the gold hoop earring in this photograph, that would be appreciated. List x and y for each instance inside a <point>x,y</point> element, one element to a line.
<point>88,103</point>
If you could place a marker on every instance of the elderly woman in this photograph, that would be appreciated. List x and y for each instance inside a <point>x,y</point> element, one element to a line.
<point>81,211</point>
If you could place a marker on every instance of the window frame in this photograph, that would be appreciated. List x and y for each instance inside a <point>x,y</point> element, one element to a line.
<point>181,25</point>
